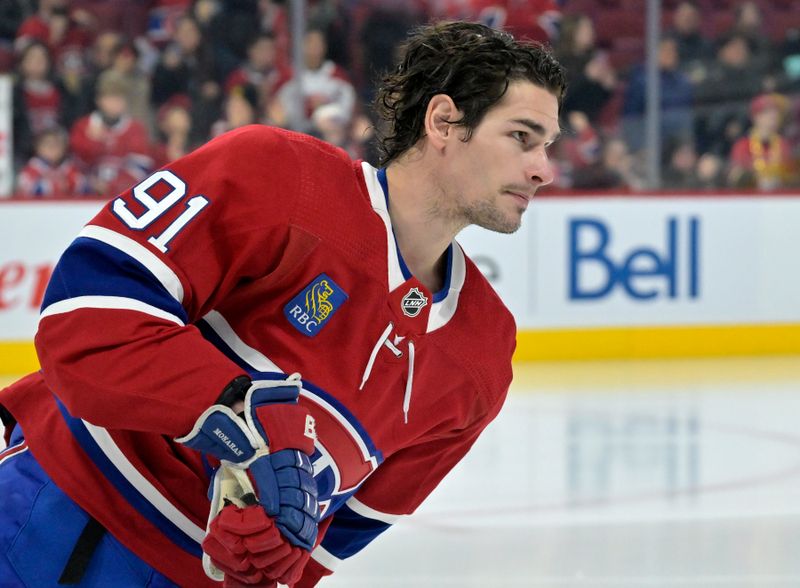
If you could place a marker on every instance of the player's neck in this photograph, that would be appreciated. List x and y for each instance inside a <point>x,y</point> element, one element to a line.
<point>422,235</point>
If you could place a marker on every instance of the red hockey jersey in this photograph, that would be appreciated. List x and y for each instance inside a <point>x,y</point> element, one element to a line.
<point>263,252</point>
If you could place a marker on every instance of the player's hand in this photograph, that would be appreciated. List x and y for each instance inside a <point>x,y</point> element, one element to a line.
<point>245,544</point>
<point>272,445</point>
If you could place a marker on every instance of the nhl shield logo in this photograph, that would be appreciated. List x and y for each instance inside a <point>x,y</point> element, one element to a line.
<point>413,302</point>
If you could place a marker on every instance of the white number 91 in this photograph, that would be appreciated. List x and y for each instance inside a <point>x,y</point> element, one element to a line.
<point>155,208</point>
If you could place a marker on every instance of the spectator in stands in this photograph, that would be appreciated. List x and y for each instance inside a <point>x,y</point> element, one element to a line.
<point>240,109</point>
<point>710,172</point>
<point>616,169</point>
<point>218,26</point>
<point>162,20</point>
<point>66,32</point>
<point>694,48</point>
<point>676,99</point>
<point>763,158</point>
<point>188,67</point>
<point>334,19</point>
<point>112,147</point>
<point>51,173</point>
<point>124,70</point>
<point>261,71</point>
<point>273,18</point>
<point>590,76</point>
<point>36,99</point>
<point>175,137</point>
<point>204,12</point>
<point>579,149</point>
<point>749,22</point>
<point>231,30</point>
<point>335,127</point>
<point>721,100</point>
<point>79,77</point>
<point>680,171</point>
<point>323,82</point>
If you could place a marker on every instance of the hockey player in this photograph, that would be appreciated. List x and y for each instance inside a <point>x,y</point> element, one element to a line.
<point>263,307</point>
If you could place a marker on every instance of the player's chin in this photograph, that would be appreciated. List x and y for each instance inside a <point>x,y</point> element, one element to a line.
<point>506,225</point>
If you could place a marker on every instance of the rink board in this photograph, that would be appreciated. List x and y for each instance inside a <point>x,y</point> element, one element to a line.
<point>584,277</point>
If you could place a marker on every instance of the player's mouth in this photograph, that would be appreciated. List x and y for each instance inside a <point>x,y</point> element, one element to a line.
<point>522,197</point>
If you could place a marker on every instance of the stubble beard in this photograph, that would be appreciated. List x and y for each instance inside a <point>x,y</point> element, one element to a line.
<point>485,213</point>
<point>489,216</point>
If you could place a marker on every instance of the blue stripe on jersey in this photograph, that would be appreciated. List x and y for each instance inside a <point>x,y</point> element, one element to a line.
<point>337,502</point>
<point>349,533</point>
<point>124,487</point>
<point>92,268</point>
<point>441,294</point>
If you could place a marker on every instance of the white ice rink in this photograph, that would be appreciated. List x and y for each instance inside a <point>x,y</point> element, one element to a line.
<point>627,474</point>
<point>615,474</point>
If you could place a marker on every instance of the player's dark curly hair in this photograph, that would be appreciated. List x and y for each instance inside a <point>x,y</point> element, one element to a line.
<point>471,63</point>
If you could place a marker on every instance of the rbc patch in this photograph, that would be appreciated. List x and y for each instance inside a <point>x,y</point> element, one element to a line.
<point>314,305</point>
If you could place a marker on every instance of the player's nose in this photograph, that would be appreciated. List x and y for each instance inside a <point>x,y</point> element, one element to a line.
<point>539,169</point>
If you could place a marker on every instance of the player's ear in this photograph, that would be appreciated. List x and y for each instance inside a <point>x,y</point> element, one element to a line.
<point>439,118</point>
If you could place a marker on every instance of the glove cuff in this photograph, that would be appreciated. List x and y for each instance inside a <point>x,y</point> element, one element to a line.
<point>290,426</point>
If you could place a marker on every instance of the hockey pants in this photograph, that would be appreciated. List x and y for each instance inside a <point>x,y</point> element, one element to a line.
<point>44,535</point>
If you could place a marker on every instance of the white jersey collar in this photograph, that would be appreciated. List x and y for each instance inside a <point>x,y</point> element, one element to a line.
<point>443,310</point>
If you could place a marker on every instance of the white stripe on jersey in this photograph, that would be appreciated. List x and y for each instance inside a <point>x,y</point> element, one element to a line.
<point>255,358</point>
<point>365,511</point>
<point>378,200</point>
<point>142,484</point>
<point>326,558</point>
<point>10,452</point>
<point>109,302</point>
<point>443,311</point>
<point>160,270</point>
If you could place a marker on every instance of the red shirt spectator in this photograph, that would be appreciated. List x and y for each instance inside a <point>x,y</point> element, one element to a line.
<point>66,33</point>
<point>37,99</point>
<point>50,173</point>
<point>113,147</point>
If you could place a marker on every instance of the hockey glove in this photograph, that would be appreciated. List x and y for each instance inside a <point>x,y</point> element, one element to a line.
<point>263,456</point>
<point>245,545</point>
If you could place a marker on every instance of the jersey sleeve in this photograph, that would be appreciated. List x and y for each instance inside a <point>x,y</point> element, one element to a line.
<point>394,491</point>
<point>116,339</point>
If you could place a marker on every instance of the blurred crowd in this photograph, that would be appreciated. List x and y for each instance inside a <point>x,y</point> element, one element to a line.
<point>106,91</point>
<point>729,96</point>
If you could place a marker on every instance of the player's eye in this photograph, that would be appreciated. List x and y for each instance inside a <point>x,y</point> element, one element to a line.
<point>524,139</point>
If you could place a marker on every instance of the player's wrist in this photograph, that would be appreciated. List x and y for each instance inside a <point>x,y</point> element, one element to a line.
<point>234,393</point>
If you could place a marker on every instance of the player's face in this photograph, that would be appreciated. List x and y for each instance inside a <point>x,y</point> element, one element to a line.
<point>497,172</point>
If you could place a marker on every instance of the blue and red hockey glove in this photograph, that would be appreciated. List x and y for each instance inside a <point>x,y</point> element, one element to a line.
<point>265,459</point>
